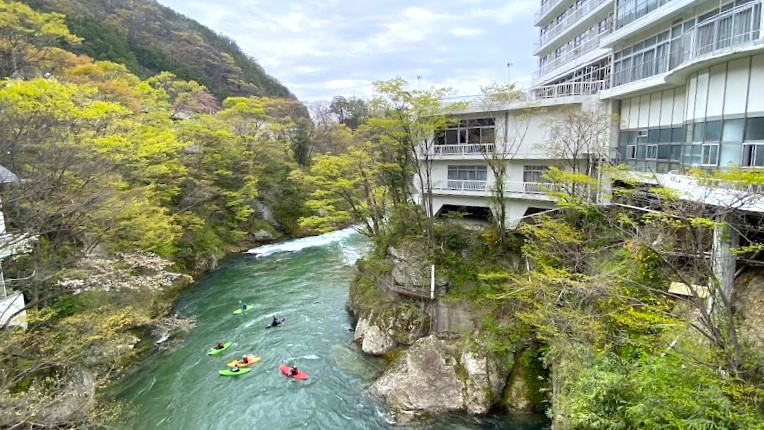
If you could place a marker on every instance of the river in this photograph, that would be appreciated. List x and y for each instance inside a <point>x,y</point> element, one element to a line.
<point>306,281</point>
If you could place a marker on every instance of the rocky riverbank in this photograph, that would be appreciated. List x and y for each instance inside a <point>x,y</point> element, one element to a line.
<point>435,364</point>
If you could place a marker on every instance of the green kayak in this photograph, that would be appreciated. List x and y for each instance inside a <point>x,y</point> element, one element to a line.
<point>240,310</point>
<point>229,372</point>
<point>214,351</point>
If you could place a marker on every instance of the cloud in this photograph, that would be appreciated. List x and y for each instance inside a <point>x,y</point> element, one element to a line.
<point>322,49</point>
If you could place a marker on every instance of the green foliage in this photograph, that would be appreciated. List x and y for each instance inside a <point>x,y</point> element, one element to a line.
<point>149,38</point>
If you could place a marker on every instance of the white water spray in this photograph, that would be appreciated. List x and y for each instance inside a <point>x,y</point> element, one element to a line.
<point>303,243</point>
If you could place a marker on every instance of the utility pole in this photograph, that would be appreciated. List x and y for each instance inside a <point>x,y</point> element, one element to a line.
<point>419,82</point>
<point>509,70</point>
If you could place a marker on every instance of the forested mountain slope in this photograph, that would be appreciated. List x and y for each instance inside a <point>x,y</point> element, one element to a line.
<point>149,38</point>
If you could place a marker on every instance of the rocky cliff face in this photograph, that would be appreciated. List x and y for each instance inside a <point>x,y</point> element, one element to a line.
<point>437,375</point>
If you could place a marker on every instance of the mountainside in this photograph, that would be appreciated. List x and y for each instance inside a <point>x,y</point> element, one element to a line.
<point>149,38</point>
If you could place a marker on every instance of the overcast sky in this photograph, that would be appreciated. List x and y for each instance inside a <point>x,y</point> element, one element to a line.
<point>320,49</point>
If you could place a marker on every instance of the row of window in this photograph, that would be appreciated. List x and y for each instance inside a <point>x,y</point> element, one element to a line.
<point>631,10</point>
<point>727,130</point>
<point>468,132</point>
<point>480,173</point>
<point>731,24</point>
<point>712,143</point>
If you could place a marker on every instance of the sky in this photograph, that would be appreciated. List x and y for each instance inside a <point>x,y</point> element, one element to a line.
<point>320,49</point>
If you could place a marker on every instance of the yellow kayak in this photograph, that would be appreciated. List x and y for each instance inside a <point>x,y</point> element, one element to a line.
<point>251,359</point>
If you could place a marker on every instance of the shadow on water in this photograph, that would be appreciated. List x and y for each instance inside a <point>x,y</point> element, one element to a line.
<point>178,385</point>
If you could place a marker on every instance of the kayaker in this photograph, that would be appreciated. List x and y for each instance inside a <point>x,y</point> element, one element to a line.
<point>244,359</point>
<point>293,371</point>
<point>275,322</point>
<point>220,345</point>
<point>243,305</point>
<point>235,368</point>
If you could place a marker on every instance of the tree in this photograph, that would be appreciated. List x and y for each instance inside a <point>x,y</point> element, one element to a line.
<point>407,126</point>
<point>578,140</point>
<point>28,37</point>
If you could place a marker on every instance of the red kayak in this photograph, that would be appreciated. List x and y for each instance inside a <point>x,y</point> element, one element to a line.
<point>284,369</point>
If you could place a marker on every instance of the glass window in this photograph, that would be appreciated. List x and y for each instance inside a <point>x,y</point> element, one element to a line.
<point>651,152</point>
<point>665,135</point>
<point>631,152</point>
<point>688,133</point>
<point>664,151</point>
<point>753,156</point>
<point>676,153</point>
<point>710,154</point>
<point>729,155</point>
<point>653,136</point>
<point>754,129</point>
<point>676,134</point>
<point>698,132</point>
<point>733,130</point>
<point>713,131</point>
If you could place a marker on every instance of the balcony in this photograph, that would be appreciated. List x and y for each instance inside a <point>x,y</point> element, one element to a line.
<point>570,55</point>
<point>566,23</point>
<point>724,33</point>
<point>512,189</point>
<point>503,101</point>
<point>546,7</point>
<point>629,12</point>
<point>465,150</point>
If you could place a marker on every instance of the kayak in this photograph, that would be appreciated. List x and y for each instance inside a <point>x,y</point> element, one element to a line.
<point>278,323</point>
<point>229,372</point>
<point>284,369</point>
<point>252,360</point>
<point>214,351</point>
<point>240,310</point>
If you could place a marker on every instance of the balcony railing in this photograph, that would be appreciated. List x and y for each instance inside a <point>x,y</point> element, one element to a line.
<point>527,189</point>
<point>462,149</point>
<point>569,55</point>
<point>544,8</point>
<point>460,185</point>
<point>629,12</point>
<point>567,22</point>
<point>717,35</point>
<point>497,100</point>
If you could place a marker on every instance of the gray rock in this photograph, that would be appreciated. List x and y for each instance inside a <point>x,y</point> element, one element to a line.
<point>263,211</point>
<point>262,236</point>
<point>435,375</point>
<point>377,341</point>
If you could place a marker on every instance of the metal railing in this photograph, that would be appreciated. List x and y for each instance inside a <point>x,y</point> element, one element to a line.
<point>460,185</point>
<point>714,36</point>
<point>544,8</point>
<point>496,100</point>
<point>567,22</point>
<point>570,54</point>
<point>639,9</point>
<point>530,189</point>
<point>462,149</point>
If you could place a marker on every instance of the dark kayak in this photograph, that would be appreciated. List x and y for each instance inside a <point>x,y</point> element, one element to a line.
<point>278,323</point>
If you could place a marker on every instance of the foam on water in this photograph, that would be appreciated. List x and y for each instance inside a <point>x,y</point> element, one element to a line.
<point>303,243</point>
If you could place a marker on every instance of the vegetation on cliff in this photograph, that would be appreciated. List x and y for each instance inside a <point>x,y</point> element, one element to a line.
<point>124,181</point>
<point>586,287</point>
<point>149,38</point>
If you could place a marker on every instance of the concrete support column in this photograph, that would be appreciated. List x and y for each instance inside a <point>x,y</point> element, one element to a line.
<point>723,260</point>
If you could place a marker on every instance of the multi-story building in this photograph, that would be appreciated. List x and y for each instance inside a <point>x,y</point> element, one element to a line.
<point>685,78</point>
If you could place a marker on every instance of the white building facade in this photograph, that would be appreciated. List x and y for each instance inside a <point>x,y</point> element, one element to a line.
<point>684,78</point>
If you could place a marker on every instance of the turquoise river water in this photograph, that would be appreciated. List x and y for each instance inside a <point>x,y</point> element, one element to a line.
<point>306,281</point>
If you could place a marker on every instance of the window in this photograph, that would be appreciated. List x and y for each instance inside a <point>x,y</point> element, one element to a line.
<point>467,173</point>
<point>468,132</point>
<point>710,154</point>
<point>631,152</point>
<point>533,177</point>
<point>713,131</point>
<point>754,129</point>
<point>733,130</point>
<point>651,152</point>
<point>753,155</point>
<point>665,135</point>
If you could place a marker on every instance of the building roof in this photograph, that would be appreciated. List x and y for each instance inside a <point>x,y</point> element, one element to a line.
<point>6,176</point>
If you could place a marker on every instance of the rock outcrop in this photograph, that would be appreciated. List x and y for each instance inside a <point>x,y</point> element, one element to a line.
<point>435,375</point>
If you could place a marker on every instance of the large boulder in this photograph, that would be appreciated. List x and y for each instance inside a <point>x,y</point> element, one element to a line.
<point>437,375</point>
<point>373,339</point>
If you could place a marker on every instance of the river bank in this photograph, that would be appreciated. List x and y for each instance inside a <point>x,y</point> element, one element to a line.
<point>177,386</point>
